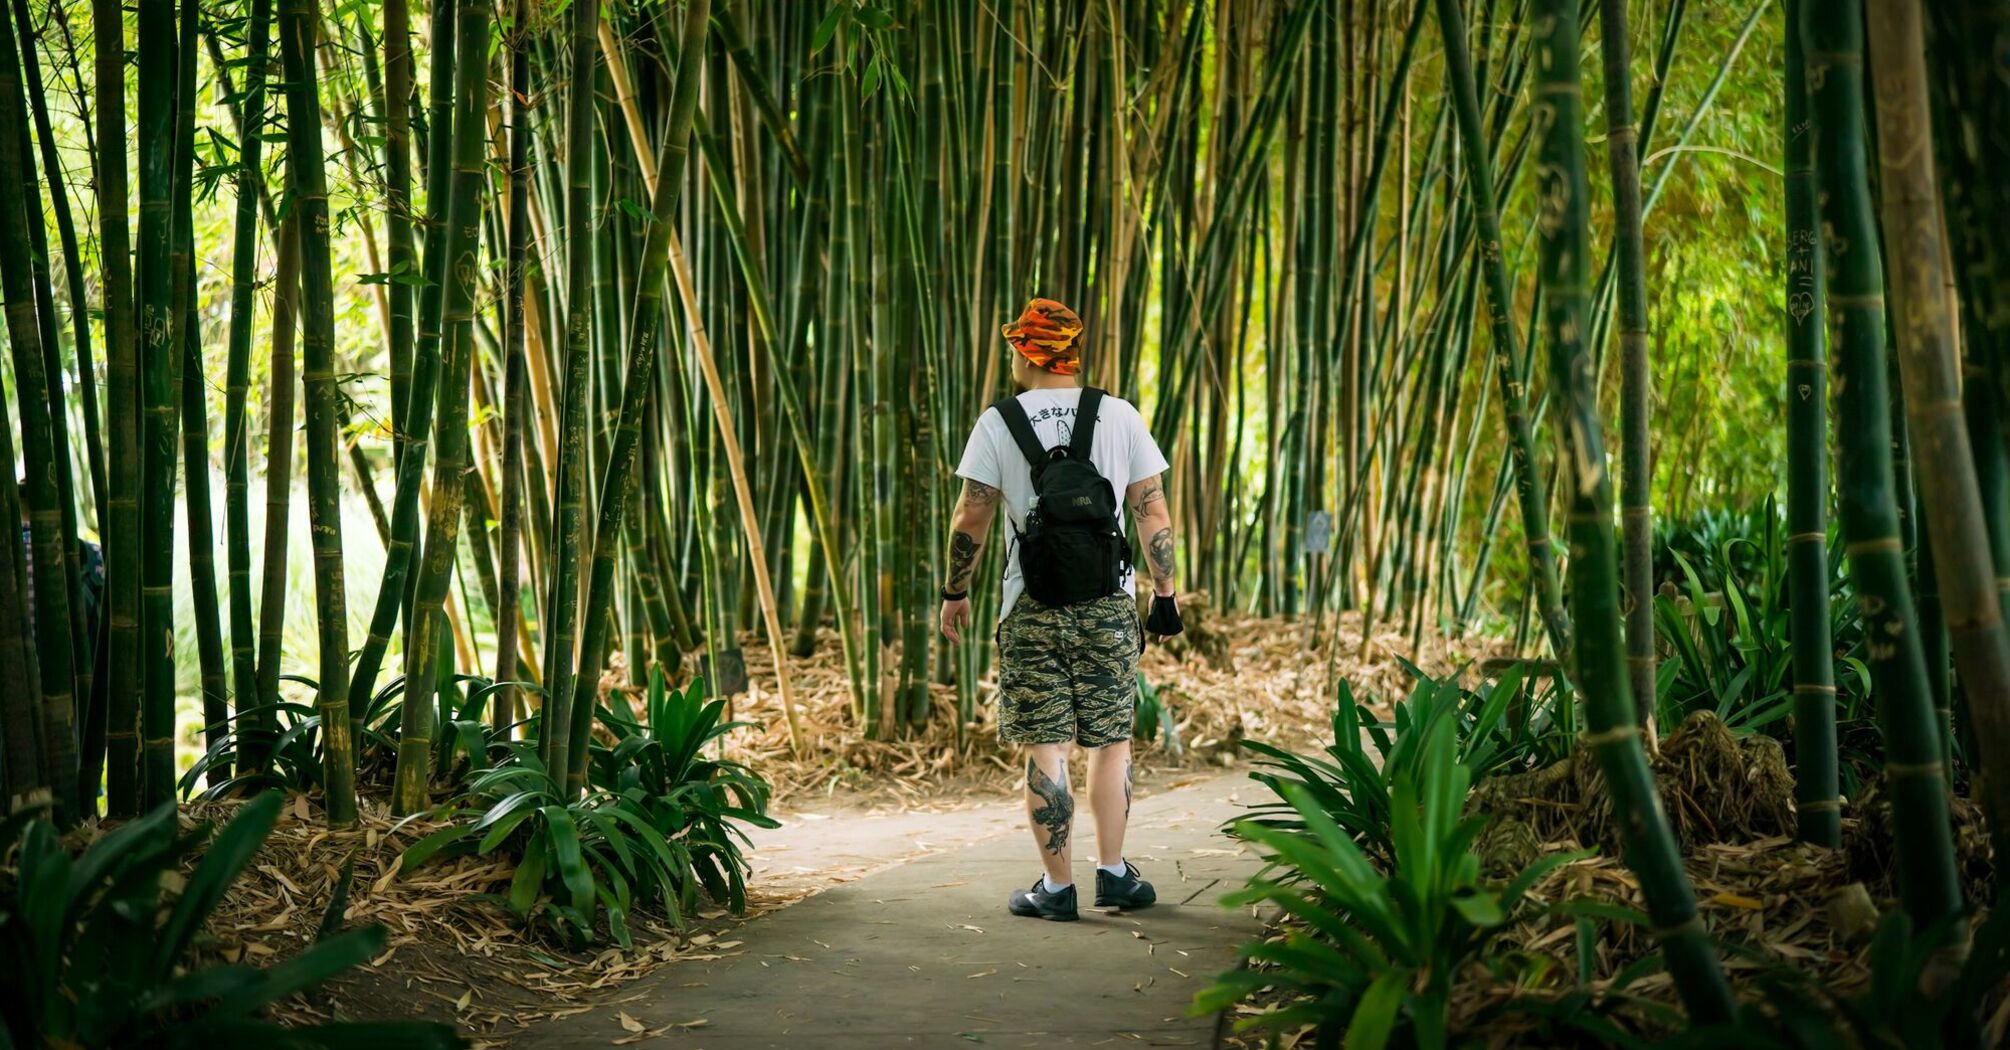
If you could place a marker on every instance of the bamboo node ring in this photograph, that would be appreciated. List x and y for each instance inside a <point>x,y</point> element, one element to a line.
<point>1665,933</point>
<point>1617,734</point>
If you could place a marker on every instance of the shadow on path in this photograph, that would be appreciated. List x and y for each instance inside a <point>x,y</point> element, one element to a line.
<point>923,954</point>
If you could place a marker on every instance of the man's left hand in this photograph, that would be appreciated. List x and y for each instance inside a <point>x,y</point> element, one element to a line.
<point>1164,621</point>
<point>955,617</point>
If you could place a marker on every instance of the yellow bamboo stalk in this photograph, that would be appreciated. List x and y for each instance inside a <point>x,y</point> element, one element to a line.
<point>743,493</point>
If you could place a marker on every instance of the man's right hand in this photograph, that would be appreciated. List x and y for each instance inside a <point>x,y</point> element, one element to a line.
<point>955,617</point>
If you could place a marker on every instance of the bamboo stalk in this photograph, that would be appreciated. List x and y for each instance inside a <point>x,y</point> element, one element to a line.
<point>1936,422</point>
<point>324,477</point>
<point>403,260</point>
<point>701,346</point>
<point>1866,503</point>
<point>451,460</point>
<point>1636,478</point>
<point>1817,796</point>
<point>159,342</point>
<point>123,786</point>
<point>237,373</point>
<point>569,500</point>
<point>1598,659</point>
<point>54,659</point>
<point>191,415</point>
<point>394,589</point>
<point>1508,368</point>
<point>660,250</point>
<point>278,481</point>
<point>516,399</point>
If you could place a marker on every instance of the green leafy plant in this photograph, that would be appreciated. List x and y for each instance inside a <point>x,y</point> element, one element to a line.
<point>262,758</point>
<point>575,857</point>
<point>658,765</point>
<point>1353,779</point>
<point>1727,646</point>
<point>1718,541</point>
<point>1155,719</point>
<point>660,823</point>
<point>95,947</point>
<point>1375,949</point>
<point>1729,655</point>
<point>288,756</point>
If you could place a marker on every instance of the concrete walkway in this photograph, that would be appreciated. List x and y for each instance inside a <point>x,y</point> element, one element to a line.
<point>923,954</point>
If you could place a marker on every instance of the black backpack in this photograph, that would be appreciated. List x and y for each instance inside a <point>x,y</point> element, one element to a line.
<point>1072,549</point>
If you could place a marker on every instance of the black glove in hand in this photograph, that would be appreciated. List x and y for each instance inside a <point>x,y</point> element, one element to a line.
<point>1164,622</point>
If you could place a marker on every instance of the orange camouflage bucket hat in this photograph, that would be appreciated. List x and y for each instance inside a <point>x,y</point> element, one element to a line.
<point>1047,334</point>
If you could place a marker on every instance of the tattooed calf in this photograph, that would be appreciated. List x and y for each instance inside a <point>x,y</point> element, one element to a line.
<point>1127,789</point>
<point>1058,809</point>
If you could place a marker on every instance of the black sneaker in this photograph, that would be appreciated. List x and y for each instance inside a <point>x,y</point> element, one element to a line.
<point>1039,903</point>
<point>1128,890</point>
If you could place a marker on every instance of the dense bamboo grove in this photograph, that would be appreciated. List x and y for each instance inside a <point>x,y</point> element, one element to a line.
<point>843,277</point>
<point>592,337</point>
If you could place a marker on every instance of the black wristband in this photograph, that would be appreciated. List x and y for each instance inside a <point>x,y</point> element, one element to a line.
<point>958,596</point>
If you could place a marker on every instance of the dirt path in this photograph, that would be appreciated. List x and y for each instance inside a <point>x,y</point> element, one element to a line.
<point>921,952</point>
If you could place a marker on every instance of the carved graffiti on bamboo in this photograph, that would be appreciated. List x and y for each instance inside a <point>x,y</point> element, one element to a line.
<point>154,326</point>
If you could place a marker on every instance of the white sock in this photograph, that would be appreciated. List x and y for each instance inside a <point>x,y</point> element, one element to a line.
<point>1119,869</point>
<point>1052,886</point>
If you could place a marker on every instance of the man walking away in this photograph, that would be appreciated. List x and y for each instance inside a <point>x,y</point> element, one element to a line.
<point>1068,632</point>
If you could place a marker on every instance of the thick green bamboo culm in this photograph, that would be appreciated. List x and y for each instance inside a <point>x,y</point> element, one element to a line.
<point>569,496</point>
<point>73,276</point>
<point>1508,367</point>
<point>159,341</point>
<point>49,570</point>
<point>394,589</point>
<point>1598,659</point>
<point>237,381</point>
<point>1866,501</point>
<point>20,722</point>
<point>190,392</point>
<point>1950,498</point>
<point>423,634</point>
<point>308,185</point>
<point>642,335</point>
<point>516,395</point>
<point>403,260</point>
<point>1636,516</point>
<point>123,791</point>
<point>83,627</point>
<point>279,470</point>
<point>1817,795</point>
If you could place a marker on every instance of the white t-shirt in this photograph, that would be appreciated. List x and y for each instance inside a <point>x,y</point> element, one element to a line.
<point>1123,451</point>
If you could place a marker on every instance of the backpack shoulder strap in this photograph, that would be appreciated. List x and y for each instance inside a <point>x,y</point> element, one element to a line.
<point>1014,415</point>
<point>1083,440</point>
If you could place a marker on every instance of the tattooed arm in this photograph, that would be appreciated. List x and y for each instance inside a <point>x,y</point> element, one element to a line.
<point>968,526</point>
<point>1154,521</point>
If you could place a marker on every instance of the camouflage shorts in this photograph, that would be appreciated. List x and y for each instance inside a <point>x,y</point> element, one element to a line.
<point>1068,672</point>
